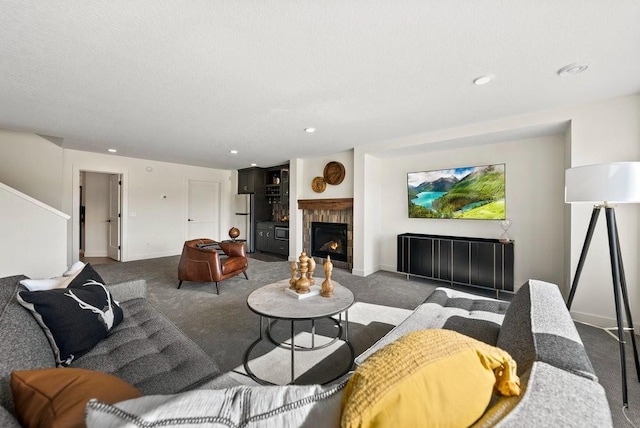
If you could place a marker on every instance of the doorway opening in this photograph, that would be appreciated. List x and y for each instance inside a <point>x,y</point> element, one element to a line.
<point>100,218</point>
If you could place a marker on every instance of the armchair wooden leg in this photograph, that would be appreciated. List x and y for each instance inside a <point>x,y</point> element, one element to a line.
<point>245,274</point>
<point>179,284</point>
<point>217,289</point>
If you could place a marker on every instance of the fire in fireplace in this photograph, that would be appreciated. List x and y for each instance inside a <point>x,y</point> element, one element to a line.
<point>329,239</point>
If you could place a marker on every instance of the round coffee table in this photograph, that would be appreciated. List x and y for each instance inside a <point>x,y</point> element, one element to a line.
<point>273,303</point>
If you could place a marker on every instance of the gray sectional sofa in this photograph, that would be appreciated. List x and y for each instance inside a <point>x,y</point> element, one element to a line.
<point>146,349</point>
<point>560,387</point>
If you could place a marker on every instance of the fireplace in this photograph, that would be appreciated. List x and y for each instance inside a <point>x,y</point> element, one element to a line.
<point>329,239</point>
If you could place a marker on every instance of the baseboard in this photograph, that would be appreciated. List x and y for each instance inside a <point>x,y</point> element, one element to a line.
<point>597,320</point>
<point>95,254</point>
<point>365,272</point>
<point>357,272</point>
<point>389,268</point>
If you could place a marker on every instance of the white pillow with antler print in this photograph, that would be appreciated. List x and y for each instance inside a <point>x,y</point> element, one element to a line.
<point>75,319</point>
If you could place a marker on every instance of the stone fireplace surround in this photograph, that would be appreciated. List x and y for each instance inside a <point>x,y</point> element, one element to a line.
<point>327,211</point>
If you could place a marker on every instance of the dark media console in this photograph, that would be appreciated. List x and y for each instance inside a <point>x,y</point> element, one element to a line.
<point>478,262</point>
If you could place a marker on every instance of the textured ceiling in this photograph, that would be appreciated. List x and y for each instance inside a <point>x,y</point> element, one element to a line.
<point>187,81</point>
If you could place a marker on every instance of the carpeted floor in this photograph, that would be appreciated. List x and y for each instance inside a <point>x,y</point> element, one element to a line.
<point>225,327</point>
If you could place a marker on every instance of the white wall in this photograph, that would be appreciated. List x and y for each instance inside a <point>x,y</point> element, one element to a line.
<point>605,132</point>
<point>152,226</point>
<point>314,167</point>
<point>33,236</point>
<point>367,246</point>
<point>596,133</point>
<point>534,203</point>
<point>96,192</point>
<point>32,165</point>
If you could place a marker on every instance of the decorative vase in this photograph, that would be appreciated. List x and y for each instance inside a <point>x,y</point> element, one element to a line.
<point>327,285</point>
<point>302,283</point>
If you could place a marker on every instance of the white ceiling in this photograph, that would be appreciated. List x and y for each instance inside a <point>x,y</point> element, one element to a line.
<point>188,81</point>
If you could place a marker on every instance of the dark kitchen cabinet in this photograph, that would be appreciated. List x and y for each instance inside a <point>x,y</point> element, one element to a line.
<point>250,180</point>
<point>486,263</point>
<point>264,236</point>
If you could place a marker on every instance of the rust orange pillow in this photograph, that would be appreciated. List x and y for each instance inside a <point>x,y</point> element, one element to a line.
<point>57,397</point>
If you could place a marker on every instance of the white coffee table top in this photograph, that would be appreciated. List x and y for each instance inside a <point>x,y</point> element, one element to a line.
<point>271,301</point>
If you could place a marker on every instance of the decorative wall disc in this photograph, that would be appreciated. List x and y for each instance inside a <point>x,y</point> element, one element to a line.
<point>334,173</point>
<point>318,184</point>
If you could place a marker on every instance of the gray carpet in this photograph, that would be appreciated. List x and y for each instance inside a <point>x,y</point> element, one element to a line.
<point>224,326</point>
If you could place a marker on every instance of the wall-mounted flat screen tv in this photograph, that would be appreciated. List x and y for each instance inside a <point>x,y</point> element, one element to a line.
<point>476,192</point>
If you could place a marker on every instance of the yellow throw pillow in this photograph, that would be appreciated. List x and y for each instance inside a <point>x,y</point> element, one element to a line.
<point>435,378</point>
<point>57,397</point>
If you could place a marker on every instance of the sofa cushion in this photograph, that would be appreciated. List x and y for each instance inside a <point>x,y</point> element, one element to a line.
<point>74,319</point>
<point>233,264</point>
<point>469,314</point>
<point>428,378</point>
<point>538,327</point>
<point>57,397</point>
<point>243,406</point>
<point>24,344</point>
<point>149,351</point>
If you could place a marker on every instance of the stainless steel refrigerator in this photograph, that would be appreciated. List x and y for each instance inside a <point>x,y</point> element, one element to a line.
<point>245,219</point>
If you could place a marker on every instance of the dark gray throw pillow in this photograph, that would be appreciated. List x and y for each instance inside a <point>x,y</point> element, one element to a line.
<point>87,274</point>
<point>75,319</point>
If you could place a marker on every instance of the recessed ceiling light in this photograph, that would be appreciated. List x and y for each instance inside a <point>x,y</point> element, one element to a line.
<point>573,69</point>
<point>112,150</point>
<point>254,164</point>
<point>483,80</point>
<point>233,152</point>
<point>309,130</point>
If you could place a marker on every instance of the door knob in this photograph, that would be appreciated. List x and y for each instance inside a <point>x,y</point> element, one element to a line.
<point>189,219</point>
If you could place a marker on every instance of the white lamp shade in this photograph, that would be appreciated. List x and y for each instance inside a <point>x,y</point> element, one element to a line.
<point>615,182</point>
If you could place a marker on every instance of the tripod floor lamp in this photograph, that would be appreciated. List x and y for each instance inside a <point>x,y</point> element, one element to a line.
<point>606,185</point>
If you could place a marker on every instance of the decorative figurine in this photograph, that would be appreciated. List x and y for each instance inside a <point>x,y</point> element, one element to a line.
<point>234,232</point>
<point>294,275</point>
<point>302,283</point>
<point>505,225</point>
<point>312,267</point>
<point>327,285</point>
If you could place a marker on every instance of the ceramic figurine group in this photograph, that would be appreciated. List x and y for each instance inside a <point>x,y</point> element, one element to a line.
<point>302,284</point>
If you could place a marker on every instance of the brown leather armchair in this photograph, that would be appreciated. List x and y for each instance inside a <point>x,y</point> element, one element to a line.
<point>200,261</point>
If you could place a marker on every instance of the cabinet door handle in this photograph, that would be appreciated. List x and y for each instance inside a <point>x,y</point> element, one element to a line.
<point>189,219</point>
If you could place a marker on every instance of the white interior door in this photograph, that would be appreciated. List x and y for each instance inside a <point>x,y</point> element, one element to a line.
<point>114,216</point>
<point>204,210</point>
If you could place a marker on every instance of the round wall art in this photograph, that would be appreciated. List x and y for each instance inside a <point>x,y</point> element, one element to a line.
<point>318,184</point>
<point>334,173</point>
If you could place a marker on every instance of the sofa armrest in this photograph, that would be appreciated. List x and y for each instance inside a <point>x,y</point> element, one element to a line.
<point>554,397</point>
<point>128,290</point>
